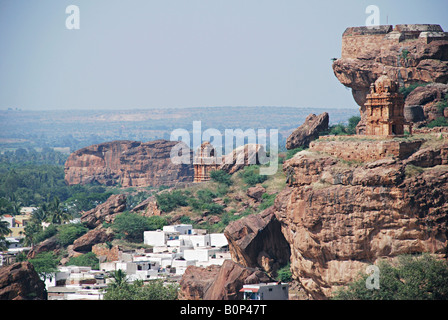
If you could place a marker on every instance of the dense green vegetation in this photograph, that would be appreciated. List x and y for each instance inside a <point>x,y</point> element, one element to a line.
<point>120,289</point>
<point>131,226</point>
<point>251,175</point>
<point>341,129</point>
<point>438,122</point>
<point>420,277</point>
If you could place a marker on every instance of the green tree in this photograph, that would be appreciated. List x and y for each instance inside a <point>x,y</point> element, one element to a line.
<point>68,233</point>
<point>221,176</point>
<point>131,226</point>
<point>284,274</point>
<point>168,201</point>
<point>120,289</point>
<point>421,277</point>
<point>352,123</point>
<point>251,175</point>
<point>57,213</point>
<point>32,230</point>
<point>45,263</point>
<point>88,260</point>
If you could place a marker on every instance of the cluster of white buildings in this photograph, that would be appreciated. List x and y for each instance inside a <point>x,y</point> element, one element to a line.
<point>173,249</point>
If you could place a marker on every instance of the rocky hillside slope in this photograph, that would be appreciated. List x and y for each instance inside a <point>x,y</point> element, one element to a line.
<point>127,163</point>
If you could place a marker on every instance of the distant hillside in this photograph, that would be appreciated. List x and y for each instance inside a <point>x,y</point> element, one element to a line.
<point>76,129</point>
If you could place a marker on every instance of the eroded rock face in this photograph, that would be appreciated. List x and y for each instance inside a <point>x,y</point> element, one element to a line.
<point>427,97</point>
<point>196,281</point>
<point>242,156</point>
<point>338,218</point>
<point>91,238</point>
<point>219,282</point>
<point>129,163</point>
<point>20,281</point>
<point>257,241</point>
<point>105,212</point>
<point>408,54</point>
<point>308,131</point>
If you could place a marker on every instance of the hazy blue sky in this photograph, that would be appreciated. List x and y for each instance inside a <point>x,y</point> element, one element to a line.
<point>184,53</point>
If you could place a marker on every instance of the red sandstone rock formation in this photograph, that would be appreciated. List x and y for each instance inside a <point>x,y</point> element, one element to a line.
<point>20,281</point>
<point>308,131</point>
<point>105,212</point>
<point>242,156</point>
<point>428,97</point>
<point>128,163</point>
<point>339,217</point>
<point>88,240</point>
<point>218,282</point>
<point>257,241</point>
<point>408,54</point>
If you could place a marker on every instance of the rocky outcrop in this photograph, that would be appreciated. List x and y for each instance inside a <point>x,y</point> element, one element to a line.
<point>196,281</point>
<point>88,240</point>
<point>340,217</point>
<point>20,281</point>
<point>257,241</point>
<point>242,156</point>
<point>308,131</point>
<point>218,282</point>
<point>256,192</point>
<point>50,244</point>
<point>127,163</point>
<point>105,212</point>
<point>427,98</point>
<point>148,207</point>
<point>408,54</point>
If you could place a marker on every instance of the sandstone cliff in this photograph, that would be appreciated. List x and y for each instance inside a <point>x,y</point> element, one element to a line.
<point>128,163</point>
<point>338,217</point>
<point>408,54</point>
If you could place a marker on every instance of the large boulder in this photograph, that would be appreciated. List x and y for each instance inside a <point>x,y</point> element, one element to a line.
<point>105,212</point>
<point>219,282</point>
<point>242,156</point>
<point>308,131</point>
<point>20,281</point>
<point>88,240</point>
<point>428,97</point>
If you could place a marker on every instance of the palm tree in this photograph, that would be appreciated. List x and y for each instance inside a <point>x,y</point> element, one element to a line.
<point>120,279</point>
<point>41,214</point>
<point>4,230</point>
<point>57,213</point>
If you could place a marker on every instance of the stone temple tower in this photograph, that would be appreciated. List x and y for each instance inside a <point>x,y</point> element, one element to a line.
<point>384,109</point>
<point>205,161</point>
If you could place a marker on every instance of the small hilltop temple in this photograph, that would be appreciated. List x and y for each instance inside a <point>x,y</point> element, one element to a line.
<point>384,109</point>
<point>204,162</point>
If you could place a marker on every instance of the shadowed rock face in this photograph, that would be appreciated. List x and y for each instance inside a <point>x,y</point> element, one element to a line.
<point>257,241</point>
<point>129,163</point>
<point>407,54</point>
<point>20,281</point>
<point>339,218</point>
